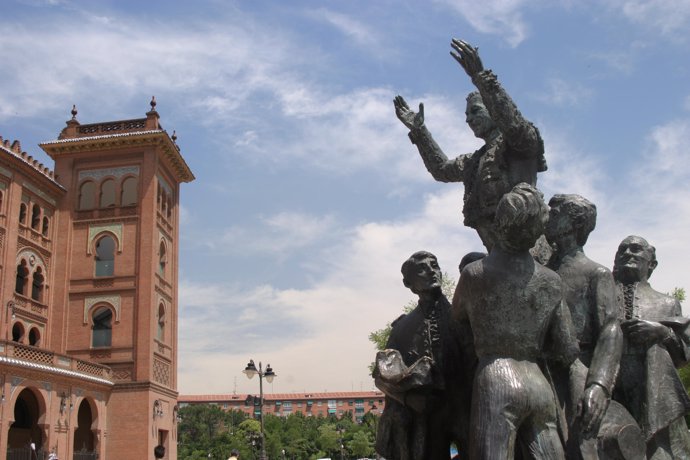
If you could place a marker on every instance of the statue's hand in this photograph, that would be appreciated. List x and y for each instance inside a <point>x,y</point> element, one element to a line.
<point>467,56</point>
<point>406,115</point>
<point>591,409</point>
<point>643,331</point>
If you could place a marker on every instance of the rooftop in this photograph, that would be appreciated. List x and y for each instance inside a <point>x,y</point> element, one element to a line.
<point>282,396</point>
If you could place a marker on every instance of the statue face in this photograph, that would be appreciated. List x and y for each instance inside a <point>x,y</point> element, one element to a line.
<point>633,260</point>
<point>425,275</point>
<point>560,224</point>
<point>478,118</point>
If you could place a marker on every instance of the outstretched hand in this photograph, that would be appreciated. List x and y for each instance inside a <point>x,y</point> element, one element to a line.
<point>591,409</point>
<point>467,56</point>
<point>406,115</point>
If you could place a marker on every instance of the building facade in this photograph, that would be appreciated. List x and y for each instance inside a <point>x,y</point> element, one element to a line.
<point>88,283</point>
<point>357,403</point>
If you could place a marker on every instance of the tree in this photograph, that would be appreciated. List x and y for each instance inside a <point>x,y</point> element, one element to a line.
<point>679,293</point>
<point>328,438</point>
<point>361,445</point>
<point>206,429</point>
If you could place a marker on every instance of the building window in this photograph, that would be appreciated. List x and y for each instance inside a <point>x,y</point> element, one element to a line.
<point>35,217</point>
<point>160,332</point>
<point>17,332</point>
<point>34,337</point>
<point>37,285</point>
<point>22,213</point>
<point>169,213</point>
<point>105,256</point>
<point>129,192</point>
<point>107,193</point>
<point>2,196</point>
<point>102,327</point>
<point>46,226</point>
<point>87,195</point>
<point>162,259</point>
<point>22,278</point>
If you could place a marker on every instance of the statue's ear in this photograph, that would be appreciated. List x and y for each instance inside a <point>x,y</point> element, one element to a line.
<point>406,283</point>
<point>652,266</point>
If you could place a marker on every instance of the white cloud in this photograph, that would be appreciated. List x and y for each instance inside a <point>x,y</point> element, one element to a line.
<point>563,93</point>
<point>356,30</point>
<point>671,18</point>
<point>359,131</point>
<point>280,234</point>
<point>497,17</point>
<point>227,62</point>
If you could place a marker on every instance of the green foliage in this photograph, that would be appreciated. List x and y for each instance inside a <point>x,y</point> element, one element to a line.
<point>361,445</point>
<point>206,429</point>
<point>328,438</point>
<point>679,293</point>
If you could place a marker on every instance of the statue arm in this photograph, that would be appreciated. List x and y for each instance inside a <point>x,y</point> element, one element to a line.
<point>561,340</point>
<point>609,343</point>
<point>522,136</point>
<point>677,340</point>
<point>437,163</point>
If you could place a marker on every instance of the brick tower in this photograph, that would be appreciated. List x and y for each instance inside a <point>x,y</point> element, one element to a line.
<point>114,293</point>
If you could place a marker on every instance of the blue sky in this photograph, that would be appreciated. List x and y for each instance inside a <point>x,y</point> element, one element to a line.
<point>309,194</point>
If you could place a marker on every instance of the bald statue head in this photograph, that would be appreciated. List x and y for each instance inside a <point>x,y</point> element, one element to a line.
<point>635,260</point>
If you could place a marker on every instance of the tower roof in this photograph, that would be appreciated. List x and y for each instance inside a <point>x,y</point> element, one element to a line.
<point>76,137</point>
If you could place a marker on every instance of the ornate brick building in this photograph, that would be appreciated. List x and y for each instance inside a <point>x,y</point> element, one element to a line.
<point>88,283</point>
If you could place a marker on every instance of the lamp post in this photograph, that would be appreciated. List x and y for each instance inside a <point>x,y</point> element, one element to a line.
<point>250,371</point>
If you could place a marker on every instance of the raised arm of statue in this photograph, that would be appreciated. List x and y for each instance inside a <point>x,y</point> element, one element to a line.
<point>437,163</point>
<point>520,134</point>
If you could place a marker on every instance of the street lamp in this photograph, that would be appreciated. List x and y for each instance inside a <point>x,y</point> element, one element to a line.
<point>250,371</point>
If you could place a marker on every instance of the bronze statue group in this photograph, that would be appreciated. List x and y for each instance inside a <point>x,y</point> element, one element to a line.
<point>542,353</point>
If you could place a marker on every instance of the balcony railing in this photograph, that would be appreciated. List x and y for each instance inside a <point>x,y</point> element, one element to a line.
<point>37,355</point>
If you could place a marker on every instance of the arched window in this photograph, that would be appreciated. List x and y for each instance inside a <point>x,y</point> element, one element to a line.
<point>2,200</point>
<point>169,213</point>
<point>108,193</point>
<point>17,332</point>
<point>160,331</point>
<point>164,202</point>
<point>37,285</point>
<point>87,195</point>
<point>34,336</point>
<point>22,213</point>
<point>22,278</point>
<point>46,226</point>
<point>129,191</point>
<point>102,327</point>
<point>105,256</point>
<point>35,217</point>
<point>162,259</point>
